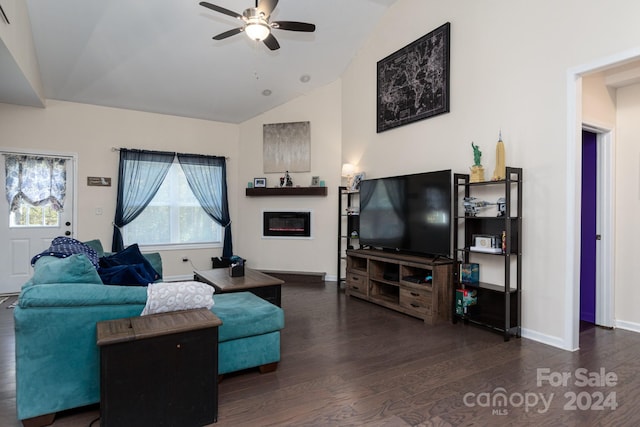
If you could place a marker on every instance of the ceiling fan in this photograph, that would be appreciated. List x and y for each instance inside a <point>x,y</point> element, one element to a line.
<point>256,23</point>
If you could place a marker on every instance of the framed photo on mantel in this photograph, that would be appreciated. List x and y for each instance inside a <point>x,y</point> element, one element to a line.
<point>413,82</point>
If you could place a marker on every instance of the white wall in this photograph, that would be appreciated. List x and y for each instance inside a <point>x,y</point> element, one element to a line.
<point>509,64</point>
<point>322,109</point>
<point>18,56</point>
<point>598,102</point>
<point>627,206</point>
<point>91,132</point>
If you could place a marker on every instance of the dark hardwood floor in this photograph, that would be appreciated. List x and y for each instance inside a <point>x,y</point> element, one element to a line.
<point>346,362</point>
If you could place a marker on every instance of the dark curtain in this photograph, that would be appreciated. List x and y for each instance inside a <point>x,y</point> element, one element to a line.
<point>206,176</point>
<point>140,175</point>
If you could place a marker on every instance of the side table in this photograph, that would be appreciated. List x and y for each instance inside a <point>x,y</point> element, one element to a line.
<point>159,370</point>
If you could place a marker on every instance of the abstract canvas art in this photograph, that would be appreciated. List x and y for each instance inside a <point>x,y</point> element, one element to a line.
<point>287,147</point>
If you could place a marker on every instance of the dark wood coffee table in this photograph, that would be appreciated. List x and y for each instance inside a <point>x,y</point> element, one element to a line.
<point>265,286</point>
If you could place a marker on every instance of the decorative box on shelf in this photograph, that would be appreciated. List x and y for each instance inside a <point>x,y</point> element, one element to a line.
<point>470,273</point>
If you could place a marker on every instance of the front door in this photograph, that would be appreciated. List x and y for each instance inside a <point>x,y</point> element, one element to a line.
<point>30,231</point>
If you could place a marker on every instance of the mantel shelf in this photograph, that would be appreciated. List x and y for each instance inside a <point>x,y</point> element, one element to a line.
<point>287,191</point>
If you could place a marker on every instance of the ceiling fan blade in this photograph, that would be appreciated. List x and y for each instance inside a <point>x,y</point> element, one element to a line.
<point>229,33</point>
<point>294,26</point>
<point>220,9</point>
<point>267,6</point>
<point>271,42</point>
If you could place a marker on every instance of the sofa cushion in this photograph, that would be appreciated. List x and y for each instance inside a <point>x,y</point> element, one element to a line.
<point>96,245</point>
<point>155,260</point>
<point>74,269</point>
<point>244,314</point>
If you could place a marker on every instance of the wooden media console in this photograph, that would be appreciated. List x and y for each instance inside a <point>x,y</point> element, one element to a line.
<point>414,285</point>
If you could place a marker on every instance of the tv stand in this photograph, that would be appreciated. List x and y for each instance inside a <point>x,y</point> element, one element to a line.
<point>415,285</point>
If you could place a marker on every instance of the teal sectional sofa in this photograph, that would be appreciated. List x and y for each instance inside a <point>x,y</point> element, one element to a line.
<point>57,359</point>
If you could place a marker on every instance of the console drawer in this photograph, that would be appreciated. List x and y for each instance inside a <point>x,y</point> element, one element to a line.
<point>356,284</point>
<point>417,300</point>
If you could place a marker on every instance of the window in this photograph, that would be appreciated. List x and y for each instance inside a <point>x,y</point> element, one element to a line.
<point>34,216</point>
<point>173,217</point>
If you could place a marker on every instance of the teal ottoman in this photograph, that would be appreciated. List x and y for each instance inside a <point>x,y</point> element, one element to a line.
<point>250,333</point>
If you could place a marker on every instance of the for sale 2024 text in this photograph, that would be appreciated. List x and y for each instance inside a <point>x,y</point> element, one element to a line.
<point>595,400</point>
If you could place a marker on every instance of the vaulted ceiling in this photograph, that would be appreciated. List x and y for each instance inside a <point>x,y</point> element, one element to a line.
<point>159,56</point>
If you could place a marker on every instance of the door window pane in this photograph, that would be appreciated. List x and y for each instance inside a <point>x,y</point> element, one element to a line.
<point>34,216</point>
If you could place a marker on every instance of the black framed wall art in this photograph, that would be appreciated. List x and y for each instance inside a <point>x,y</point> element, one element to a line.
<point>413,82</point>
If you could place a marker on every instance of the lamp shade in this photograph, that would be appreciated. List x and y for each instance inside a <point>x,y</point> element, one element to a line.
<point>257,31</point>
<point>348,169</point>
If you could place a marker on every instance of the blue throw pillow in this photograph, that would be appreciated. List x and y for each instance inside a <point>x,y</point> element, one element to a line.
<point>131,256</point>
<point>72,269</point>
<point>126,275</point>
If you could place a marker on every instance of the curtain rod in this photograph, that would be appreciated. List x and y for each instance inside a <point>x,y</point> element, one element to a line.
<point>120,148</point>
<point>37,154</point>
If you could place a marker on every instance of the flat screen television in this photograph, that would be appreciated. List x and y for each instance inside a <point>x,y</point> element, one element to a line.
<point>408,213</point>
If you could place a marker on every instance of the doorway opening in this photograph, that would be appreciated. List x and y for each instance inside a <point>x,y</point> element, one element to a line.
<point>605,213</point>
<point>597,230</point>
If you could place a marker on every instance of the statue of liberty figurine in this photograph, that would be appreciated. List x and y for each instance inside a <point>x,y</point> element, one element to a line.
<point>477,171</point>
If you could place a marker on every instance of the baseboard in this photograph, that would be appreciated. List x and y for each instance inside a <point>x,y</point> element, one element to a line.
<point>296,276</point>
<point>331,278</point>
<point>545,339</point>
<point>628,326</point>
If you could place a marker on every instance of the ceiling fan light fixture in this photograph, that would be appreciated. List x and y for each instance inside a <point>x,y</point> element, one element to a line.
<point>257,31</point>
<point>256,23</point>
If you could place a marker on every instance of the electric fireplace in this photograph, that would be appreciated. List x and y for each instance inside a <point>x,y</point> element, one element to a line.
<point>286,224</point>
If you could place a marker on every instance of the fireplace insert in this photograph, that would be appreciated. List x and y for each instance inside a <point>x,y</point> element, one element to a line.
<point>286,224</point>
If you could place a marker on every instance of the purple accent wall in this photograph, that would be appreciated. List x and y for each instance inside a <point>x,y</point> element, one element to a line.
<point>588,231</point>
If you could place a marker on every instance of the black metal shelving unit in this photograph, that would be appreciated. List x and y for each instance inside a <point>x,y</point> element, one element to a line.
<point>348,224</point>
<point>499,305</point>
